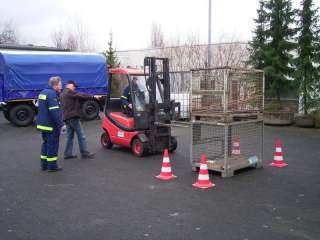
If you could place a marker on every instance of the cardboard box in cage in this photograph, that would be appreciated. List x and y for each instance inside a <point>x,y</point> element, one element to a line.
<point>228,146</point>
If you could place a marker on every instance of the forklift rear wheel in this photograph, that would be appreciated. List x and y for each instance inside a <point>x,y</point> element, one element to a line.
<point>174,144</point>
<point>138,148</point>
<point>105,140</point>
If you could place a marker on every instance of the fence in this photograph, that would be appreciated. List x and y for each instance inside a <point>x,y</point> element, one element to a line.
<point>180,83</point>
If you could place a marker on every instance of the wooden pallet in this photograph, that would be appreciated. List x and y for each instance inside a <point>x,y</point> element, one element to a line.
<point>234,164</point>
<point>226,117</point>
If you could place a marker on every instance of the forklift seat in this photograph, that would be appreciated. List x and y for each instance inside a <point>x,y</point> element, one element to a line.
<point>123,119</point>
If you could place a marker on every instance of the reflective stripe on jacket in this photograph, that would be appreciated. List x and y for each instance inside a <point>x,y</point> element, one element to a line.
<point>126,96</point>
<point>49,111</point>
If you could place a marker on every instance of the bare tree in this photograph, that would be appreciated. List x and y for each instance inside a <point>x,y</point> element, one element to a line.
<point>82,35</point>
<point>184,55</point>
<point>231,53</point>
<point>188,53</point>
<point>191,54</point>
<point>75,37</point>
<point>8,33</point>
<point>57,38</point>
<point>157,39</point>
<point>72,42</point>
<point>196,55</point>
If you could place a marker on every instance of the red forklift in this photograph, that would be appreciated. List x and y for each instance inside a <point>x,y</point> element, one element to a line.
<point>147,130</point>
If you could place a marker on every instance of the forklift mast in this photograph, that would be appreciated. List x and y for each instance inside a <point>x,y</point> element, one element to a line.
<point>158,76</point>
<point>158,84</point>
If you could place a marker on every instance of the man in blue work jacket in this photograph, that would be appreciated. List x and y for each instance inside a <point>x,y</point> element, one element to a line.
<point>126,102</point>
<point>49,122</point>
<point>126,98</point>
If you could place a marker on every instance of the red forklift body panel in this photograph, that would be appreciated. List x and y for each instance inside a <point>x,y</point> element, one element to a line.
<point>117,135</point>
<point>123,119</point>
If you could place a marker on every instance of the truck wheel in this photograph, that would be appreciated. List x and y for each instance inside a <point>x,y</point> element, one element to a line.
<point>105,140</point>
<point>6,115</point>
<point>174,144</point>
<point>138,148</point>
<point>90,110</point>
<point>22,115</point>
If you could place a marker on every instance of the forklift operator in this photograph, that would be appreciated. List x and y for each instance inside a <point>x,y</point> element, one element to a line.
<point>126,99</point>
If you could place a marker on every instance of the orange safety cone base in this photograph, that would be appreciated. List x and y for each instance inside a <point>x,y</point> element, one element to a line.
<point>278,156</point>
<point>203,177</point>
<point>163,177</point>
<point>166,172</point>
<point>279,165</point>
<point>203,186</point>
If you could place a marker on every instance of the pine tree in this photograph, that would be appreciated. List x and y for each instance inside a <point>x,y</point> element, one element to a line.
<point>278,54</point>
<point>110,53</point>
<point>257,46</point>
<point>308,59</point>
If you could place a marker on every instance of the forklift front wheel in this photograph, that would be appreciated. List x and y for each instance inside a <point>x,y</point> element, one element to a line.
<point>194,169</point>
<point>105,140</point>
<point>138,148</point>
<point>174,144</point>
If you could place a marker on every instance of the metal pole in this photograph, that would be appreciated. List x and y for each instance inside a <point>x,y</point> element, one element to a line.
<point>226,151</point>
<point>225,89</point>
<point>191,144</point>
<point>209,36</point>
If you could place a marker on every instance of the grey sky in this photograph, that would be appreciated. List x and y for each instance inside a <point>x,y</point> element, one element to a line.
<point>130,21</point>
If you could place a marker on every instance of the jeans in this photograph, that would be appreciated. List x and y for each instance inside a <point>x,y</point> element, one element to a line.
<point>74,125</point>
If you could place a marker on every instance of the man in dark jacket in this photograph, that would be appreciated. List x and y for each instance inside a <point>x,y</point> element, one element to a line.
<point>70,101</point>
<point>126,98</point>
<point>49,122</point>
<point>126,102</point>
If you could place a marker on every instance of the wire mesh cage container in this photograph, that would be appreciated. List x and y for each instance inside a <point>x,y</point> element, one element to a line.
<point>227,146</point>
<point>227,93</point>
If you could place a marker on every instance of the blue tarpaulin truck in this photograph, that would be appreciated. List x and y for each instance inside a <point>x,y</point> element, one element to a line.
<point>23,74</point>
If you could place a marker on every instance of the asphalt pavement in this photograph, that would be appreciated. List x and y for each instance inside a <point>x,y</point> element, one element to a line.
<point>116,195</point>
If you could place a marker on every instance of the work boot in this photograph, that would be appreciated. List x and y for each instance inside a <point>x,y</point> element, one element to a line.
<point>70,157</point>
<point>43,165</point>
<point>55,169</point>
<point>88,155</point>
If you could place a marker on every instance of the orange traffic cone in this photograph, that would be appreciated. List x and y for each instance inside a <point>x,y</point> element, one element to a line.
<point>203,178</point>
<point>278,156</point>
<point>236,147</point>
<point>166,173</point>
